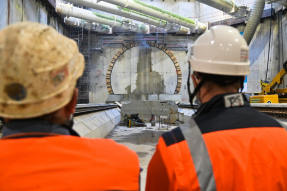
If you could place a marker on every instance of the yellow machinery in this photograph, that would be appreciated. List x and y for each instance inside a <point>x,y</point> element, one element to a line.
<point>270,93</point>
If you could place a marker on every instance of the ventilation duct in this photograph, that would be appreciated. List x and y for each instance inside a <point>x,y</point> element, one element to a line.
<point>223,5</point>
<point>71,21</point>
<point>69,10</point>
<point>253,20</point>
<point>228,7</point>
<point>127,13</point>
<point>143,8</point>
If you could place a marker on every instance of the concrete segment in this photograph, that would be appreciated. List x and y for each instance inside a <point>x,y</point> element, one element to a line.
<point>98,124</point>
<point>172,97</point>
<point>153,97</point>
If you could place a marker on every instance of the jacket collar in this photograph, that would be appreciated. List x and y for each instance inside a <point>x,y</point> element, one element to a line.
<point>36,125</point>
<point>222,101</point>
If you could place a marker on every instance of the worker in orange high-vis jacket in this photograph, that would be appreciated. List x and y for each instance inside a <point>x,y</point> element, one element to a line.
<point>226,145</point>
<point>39,69</point>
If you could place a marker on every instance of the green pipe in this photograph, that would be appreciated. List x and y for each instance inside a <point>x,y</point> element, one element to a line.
<point>106,27</point>
<point>109,18</point>
<point>188,20</point>
<point>154,18</point>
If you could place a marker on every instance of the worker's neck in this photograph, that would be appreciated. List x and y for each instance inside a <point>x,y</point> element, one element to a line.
<point>207,94</point>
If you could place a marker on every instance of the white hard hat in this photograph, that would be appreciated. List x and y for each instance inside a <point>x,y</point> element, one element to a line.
<point>221,51</point>
<point>39,69</point>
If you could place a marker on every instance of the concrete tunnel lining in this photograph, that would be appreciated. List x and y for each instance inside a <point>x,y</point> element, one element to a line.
<point>152,44</point>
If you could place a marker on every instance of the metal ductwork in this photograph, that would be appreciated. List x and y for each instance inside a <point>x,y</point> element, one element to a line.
<point>71,21</point>
<point>253,20</point>
<point>143,8</point>
<point>69,10</point>
<point>127,13</point>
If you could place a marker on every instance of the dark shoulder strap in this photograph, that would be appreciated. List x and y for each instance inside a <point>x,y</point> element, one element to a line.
<point>29,135</point>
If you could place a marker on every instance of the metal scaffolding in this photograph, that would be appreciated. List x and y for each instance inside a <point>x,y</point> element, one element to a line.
<point>180,43</point>
<point>83,85</point>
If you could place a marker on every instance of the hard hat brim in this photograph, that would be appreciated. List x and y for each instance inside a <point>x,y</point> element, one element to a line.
<point>220,68</point>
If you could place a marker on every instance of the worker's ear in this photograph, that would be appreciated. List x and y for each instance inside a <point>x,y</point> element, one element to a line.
<point>70,107</point>
<point>194,80</point>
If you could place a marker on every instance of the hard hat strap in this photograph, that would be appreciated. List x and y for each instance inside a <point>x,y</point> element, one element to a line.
<point>192,95</point>
<point>188,85</point>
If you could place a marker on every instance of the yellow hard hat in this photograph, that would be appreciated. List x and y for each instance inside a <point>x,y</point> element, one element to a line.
<point>39,69</point>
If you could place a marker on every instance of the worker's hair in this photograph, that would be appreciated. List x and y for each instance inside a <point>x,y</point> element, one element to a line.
<point>221,79</point>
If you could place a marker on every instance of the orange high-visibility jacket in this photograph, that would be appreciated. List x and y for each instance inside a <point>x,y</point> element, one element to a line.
<point>67,163</point>
<point>224,147</point>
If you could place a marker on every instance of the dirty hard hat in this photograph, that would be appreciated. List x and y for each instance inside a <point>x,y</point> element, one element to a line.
<point>221,51</point>
<point>39,69</point>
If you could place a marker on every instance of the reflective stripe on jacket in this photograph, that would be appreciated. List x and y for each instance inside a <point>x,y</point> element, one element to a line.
<point>223,148</point>
<point>63,162</point>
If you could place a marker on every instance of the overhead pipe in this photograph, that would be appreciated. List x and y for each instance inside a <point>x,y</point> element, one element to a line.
<point>69,10</point>
<point>141,7</point>
<point>127,24</point>
<point>253,20</point>
<point>72,21</point>
<point>279,2</point>
<point>113,9</point>
<point>223,5</point>
<point>127,13</point>
<point>228,7</point>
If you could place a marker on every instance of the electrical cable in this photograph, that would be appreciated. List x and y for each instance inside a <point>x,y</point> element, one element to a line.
<point>270,32</point>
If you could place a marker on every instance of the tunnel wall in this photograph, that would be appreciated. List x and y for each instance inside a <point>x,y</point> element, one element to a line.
<point>140,67</point>
<point>13,11</point>
<point>140,70</point>
<point>259,48</point>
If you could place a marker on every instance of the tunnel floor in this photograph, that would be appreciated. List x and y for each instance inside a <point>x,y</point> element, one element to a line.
<point>142,140</point>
